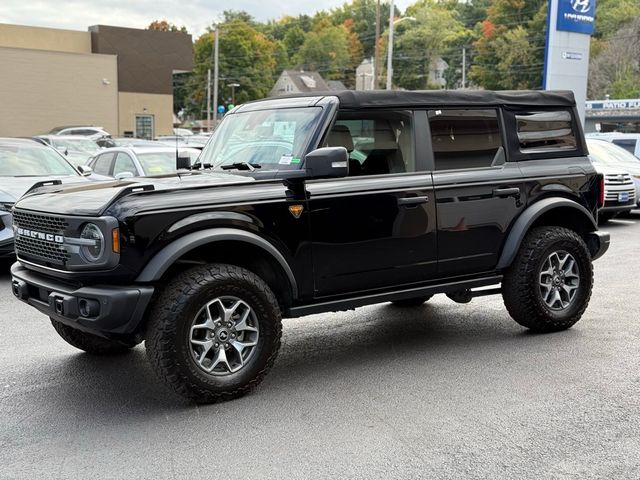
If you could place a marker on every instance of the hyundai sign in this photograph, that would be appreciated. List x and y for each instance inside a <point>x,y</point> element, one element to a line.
<point>576,16</point>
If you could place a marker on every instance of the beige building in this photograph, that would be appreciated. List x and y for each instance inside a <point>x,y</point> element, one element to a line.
<point>116,78</point>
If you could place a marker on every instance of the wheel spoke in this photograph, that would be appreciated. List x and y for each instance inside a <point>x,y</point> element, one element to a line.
<point>242,325</point>
<point>220,358</point>
<point>240,346</point>
<point>206,347</point>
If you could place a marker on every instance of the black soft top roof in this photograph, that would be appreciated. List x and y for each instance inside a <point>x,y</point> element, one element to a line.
<point>350,99</point>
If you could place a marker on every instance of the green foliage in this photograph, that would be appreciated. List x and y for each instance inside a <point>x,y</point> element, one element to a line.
<point>418,43</point>
<point>503,39</point>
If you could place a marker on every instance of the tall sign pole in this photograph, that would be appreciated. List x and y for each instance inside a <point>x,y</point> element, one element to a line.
<point>390,48</point>
<point>570,24</point>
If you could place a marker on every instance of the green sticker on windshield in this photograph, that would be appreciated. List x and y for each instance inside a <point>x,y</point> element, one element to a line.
<point>295,160</point>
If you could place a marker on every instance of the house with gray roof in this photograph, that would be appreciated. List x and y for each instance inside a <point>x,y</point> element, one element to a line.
<point>298,81</point>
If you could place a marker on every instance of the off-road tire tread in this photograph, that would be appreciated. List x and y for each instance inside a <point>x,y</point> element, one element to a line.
<point>91,344</point>
<point>518,295</point>
<point>162,328</point>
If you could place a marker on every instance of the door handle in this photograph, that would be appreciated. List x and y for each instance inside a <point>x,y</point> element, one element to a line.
<point>506,192</point>
<point>409,201</point>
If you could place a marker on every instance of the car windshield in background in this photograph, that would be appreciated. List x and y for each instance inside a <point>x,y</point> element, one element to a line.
<point>78,145</point>
<point>604,152</point>
<point>32,161</point>
<point>162,163</point>
<point>269,138</point>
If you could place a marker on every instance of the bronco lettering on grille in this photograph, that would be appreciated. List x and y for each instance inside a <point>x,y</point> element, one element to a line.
<point>24,232</point>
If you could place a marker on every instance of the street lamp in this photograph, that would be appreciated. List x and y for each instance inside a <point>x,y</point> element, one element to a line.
<point>392,22</point>
<point>233,92</point>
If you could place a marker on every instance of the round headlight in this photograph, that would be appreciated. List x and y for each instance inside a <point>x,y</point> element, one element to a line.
<point>92,252</point>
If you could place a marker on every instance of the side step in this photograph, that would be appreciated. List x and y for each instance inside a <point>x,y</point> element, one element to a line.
<point>359,301</point>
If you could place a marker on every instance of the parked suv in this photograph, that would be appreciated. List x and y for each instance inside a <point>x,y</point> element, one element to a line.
<point>318,204</point>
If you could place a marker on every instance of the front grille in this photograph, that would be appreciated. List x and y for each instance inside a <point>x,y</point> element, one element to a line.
<point>621,179</point>
<point>41,249</point>
<point>40,223</point>
<point>37,248</point>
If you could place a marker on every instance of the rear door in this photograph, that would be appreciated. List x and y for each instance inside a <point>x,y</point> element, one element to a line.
<point>478,192</point>
<point>376,227</point>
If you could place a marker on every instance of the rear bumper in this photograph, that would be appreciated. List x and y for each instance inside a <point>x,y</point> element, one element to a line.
<point>107,310</point>
<point>598,243</point>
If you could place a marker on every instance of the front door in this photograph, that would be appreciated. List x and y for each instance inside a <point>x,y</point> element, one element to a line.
<point>375,228</point>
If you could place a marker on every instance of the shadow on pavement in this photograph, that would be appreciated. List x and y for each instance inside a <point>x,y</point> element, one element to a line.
<point>313,354</point>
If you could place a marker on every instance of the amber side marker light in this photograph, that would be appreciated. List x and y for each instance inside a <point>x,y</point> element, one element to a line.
<point>115,240</point>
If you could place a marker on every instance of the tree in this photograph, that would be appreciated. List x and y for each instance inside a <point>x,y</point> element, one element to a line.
<point>510,46</point>
<point>616,70</point>
<point>164,26</point>
<point>246,57</point>
<point>326,51</point>
<point>418,43</point>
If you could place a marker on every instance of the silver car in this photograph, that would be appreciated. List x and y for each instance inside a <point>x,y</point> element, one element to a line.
<point>126,162</point>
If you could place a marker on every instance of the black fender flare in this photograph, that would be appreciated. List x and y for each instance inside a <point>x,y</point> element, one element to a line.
<point>159,264</point>
<point>528,217</point>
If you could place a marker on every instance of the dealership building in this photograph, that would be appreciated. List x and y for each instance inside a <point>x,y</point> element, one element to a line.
<point>117,78</point>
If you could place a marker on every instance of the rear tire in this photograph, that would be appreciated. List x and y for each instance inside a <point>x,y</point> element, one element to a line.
<point>548,286</point>
<point>411,302</point>
<point>214,333</point>
<point>90,343</point>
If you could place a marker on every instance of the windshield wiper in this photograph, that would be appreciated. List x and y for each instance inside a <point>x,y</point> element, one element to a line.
<point>241,166</point>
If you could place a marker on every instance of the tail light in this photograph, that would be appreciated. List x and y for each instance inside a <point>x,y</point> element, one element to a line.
<point>601,195</point>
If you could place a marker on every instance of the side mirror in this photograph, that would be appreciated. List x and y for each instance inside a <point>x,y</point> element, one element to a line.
<point>327,162</point>
<point>183,163</point>
<point>123,175</point>
<point>85,170</point>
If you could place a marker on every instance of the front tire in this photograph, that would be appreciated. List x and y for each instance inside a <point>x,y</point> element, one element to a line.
<point>91,344</point>
<point>214,333</point>
<point>548,286</point>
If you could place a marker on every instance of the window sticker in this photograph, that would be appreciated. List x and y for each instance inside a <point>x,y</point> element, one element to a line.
<point>286,159</point>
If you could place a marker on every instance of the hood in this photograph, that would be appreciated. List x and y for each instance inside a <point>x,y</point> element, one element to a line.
<point>93,198</point>
<point>12,188</point>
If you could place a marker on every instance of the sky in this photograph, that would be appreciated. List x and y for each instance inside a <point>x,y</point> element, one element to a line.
<point>196,15</point>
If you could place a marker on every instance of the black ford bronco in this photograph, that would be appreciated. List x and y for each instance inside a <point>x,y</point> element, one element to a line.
<point>313,204</point>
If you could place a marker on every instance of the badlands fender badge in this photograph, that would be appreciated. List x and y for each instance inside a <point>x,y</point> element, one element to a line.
<point>296,210</point>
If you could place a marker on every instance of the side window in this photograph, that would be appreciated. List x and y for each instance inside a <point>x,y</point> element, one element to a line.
<point>465,139</point>
<point>124,164</point>
<point>102,165</point>
<point>377,142</point>
<point>628,145</point>
<point>545,131</point>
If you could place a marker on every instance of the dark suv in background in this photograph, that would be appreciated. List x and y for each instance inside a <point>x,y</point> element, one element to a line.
<point>313,204</point>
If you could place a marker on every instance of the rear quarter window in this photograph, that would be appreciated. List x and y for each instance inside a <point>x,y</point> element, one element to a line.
<point>545,131</point>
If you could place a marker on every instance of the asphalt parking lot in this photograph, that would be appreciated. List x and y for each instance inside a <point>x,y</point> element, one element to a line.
<point>439,391</point>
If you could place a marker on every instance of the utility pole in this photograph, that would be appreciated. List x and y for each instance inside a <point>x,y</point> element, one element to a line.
<point>208,100</point>
<point>376,55</point>
<point>215,77</point>
<point>464,67</point>
<point>390,48</point>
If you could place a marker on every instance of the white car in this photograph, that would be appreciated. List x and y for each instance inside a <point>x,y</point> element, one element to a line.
<point>89,131</point>
<point>133,161</point>
<point>619,188</point>
<point>629,141</point>
<point>609,154</point>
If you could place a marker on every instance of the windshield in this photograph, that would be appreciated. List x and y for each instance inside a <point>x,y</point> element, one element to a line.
<point>604,152</point>
<point>273,139</point>
<point>162,163</point>
<point>79,145</point>
<point>32,161</point>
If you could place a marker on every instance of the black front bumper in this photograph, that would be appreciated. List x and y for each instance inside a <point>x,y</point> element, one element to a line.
<point>106,310</point>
